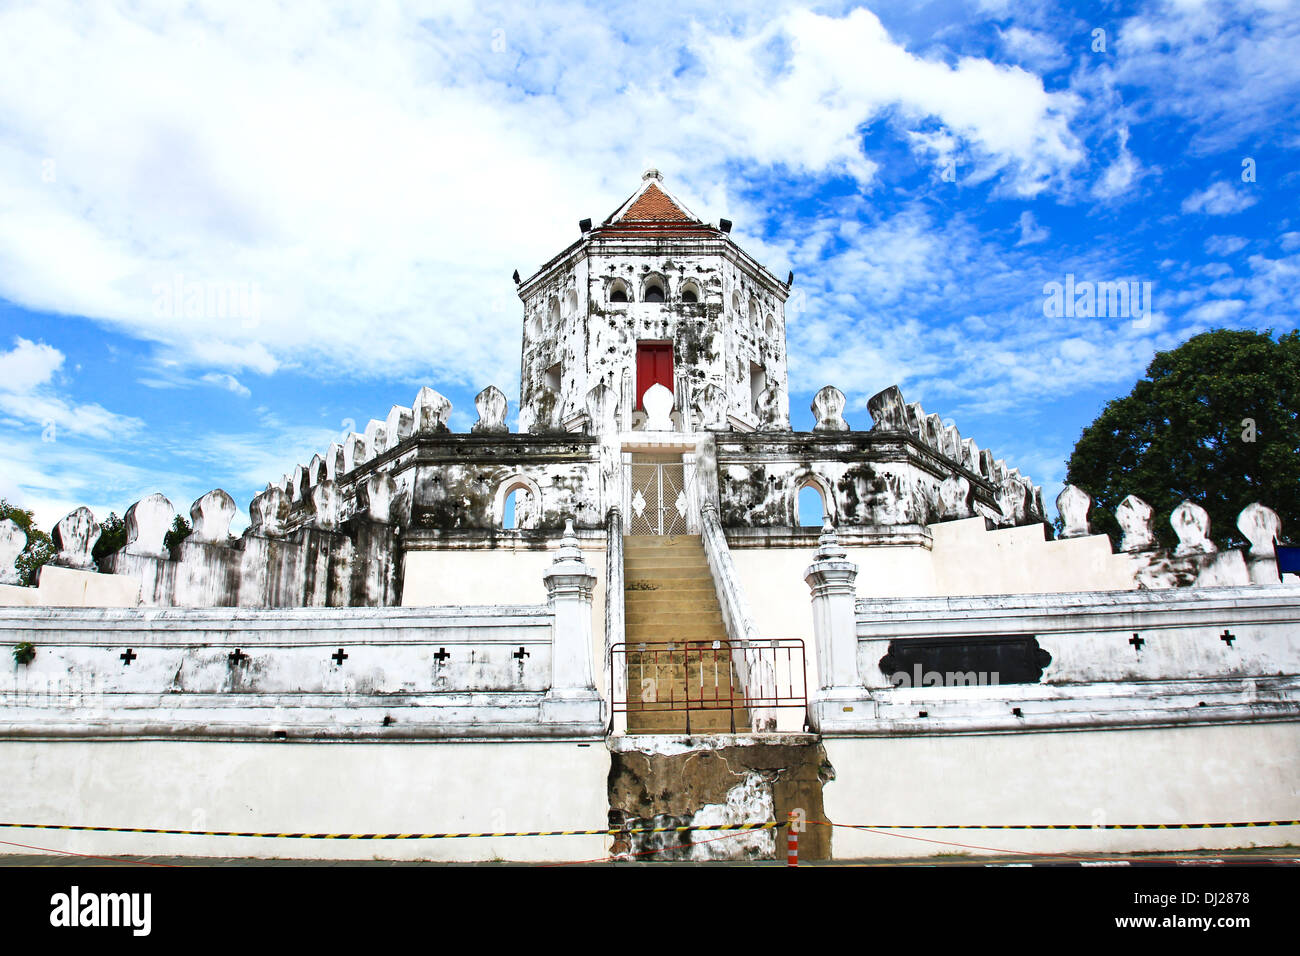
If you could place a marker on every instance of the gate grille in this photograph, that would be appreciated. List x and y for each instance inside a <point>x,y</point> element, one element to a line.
<point>658,501</point>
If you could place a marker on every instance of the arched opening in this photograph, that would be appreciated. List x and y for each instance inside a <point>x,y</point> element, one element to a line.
<point>690,293</point>
<point>617,291</point>
<point>654,292</point>
<point>809,507</point>
<point>516,504</point>
<point>770,328</point>
<point>570,303</point>
<point>753,313</point>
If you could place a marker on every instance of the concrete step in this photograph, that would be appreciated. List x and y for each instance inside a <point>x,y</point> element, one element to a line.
<point>675,572</point>
<point>657,636</point>
<point>664,600</point>
<point>677,587</point>
<point>643,619</point>
<point>657,563</point>
<point>660,541</point>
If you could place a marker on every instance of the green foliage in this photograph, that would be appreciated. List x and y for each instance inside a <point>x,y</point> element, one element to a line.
<point>25,652</point>
<point>112,538</point>
<point>1185,431</point>
<point>39,546</point>
<point>180,531</point>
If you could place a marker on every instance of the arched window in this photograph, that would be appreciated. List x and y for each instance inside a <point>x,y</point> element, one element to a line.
<point>570,303</point>
<point>617,292</point>
<point>516,503</point>
<point>809,507</point>
<point>753,313</point>
<point>770,328</point>
<point>654,292</point>
<point>690,292</point>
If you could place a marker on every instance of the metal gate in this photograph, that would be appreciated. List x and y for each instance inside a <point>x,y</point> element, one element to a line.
<point>658,498</point>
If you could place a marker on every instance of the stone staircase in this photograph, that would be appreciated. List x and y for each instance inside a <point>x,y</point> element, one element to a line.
<point>670,599</point>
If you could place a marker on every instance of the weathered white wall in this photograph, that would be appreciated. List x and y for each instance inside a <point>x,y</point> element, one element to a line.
<point>780,601</point>
<point>65,587</point>
<point>965,559</point>
<point>497,576</point>
<point>295,787</point>
<point>1205,774</point>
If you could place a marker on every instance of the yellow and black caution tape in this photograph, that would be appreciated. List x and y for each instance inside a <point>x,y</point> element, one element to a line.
<point>611,831</point>
<point>393,836</point>
<point>1063,826</point>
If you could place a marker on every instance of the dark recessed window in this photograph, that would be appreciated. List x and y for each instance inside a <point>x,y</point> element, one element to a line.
<point>618,295</point>
<point>654,294</point>
<point>690,296</point>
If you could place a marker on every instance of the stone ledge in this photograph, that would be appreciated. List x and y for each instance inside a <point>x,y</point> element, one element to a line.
<point>682,743</point>
<point>895,536</point>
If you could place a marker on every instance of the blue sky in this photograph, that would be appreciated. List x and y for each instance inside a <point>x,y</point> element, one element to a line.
<point>368,177</point>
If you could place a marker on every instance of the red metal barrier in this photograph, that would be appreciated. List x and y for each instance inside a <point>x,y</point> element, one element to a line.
<point>693,676</point>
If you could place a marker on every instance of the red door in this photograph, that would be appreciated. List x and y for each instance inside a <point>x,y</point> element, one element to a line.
<point>654,366</point>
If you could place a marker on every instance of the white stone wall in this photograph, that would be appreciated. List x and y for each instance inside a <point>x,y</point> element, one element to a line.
<point>1203,774</point>
<point>404,673</point>
<point>505,574</point>
<point>296,787</point>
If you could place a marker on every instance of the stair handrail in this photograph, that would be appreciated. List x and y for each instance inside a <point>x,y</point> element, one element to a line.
<point>735,608</point>
<point>615,622</point>
<point>736,616</point>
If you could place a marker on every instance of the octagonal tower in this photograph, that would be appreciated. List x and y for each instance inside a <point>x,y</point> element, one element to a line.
<point>653,295</point>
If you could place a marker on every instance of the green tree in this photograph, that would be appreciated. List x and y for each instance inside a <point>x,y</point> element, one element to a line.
<point>40,548</point>
<point>1215,421</point>
<point>180,531</point>
<point>112,538</point>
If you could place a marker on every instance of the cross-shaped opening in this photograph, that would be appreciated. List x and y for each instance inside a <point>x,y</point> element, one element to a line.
<point>237,656</point>
<point>441,656</point>
<point>1227,637</point>
<point>1137,642</point>
<point>339,657</point>
<point>520,654</point>
<point>128,657</point>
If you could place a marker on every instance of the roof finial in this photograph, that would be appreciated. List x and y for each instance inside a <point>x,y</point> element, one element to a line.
<point>652,173</point>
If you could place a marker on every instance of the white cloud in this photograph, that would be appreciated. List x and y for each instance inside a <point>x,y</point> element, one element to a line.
<point>1030,230</point>
<point>1220,199</point>
<point>378,212</point>
<point>228,382</point>
<point>1035,49</point>
<point>1166,52</point>
<point>1225,245</point>
<point>27,393</point>
<point>27,366</point>
<point>1216,311</point>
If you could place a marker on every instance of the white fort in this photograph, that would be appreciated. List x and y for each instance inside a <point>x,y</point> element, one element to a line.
<point>652,632</point>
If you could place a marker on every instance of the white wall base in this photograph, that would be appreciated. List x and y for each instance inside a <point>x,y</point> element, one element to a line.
<point>1206,774</point>
<point>293,787</point>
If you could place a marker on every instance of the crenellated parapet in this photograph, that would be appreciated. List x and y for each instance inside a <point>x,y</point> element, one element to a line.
<point>1196,560</point>
<point>1016,499</point>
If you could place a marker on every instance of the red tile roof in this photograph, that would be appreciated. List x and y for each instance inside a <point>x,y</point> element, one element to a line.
<point>653,205</point>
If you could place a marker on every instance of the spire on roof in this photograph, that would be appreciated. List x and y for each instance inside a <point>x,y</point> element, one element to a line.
<point>652,203</point>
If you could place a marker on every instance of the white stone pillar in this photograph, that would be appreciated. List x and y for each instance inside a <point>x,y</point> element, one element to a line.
<point>831,579</point>
<point>569,582</point>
